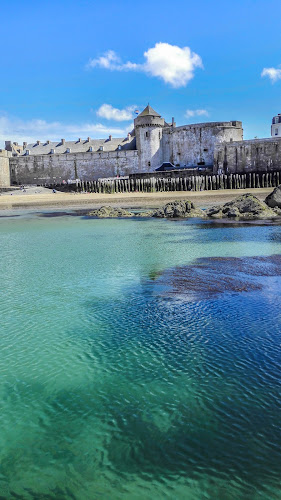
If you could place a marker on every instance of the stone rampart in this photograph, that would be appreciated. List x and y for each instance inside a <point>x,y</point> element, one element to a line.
<point>257,155</point>
<point>194,145</point>
<point>4,169</point>
<point>54,168</point>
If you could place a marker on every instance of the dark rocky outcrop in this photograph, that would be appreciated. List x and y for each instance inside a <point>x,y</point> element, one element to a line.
<point>175,209</point>
<point>274,199</point>
<point>179,209</point>
<point>110,212</point>
<point>246,206</point>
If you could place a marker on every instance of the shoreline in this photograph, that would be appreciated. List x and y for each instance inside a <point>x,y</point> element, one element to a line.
<point>48,199</point>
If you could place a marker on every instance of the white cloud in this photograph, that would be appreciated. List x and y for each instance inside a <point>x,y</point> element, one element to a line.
<point>273,73</point>
<point>110,60</point>
<point>119,115</point>
<point>190,113</point>
<point>15,129</point>
<point>172,64</point>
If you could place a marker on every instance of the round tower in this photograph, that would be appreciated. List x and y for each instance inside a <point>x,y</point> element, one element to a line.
<point>276,126</point>
<point>148,130</point>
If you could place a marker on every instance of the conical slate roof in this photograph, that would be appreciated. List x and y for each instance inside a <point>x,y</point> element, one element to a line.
<point>148,111</point>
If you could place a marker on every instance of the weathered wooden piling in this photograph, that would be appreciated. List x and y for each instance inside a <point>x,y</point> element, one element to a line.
<point>179,183</point>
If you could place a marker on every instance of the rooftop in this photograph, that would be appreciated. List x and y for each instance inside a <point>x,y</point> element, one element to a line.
<point>149,111</point>
<point>79,146</point>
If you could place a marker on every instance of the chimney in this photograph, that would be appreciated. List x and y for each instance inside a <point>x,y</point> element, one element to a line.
<point>88,139</point>
<point>79,140</point>
<point>8,145</point>
<point>63,141</point>
<point>24,145</point>
<point>38,143</point>
<point>15,143</point>
<point>48,142</point>
<point>110,138</point>
<point>129,136</point>
<point>173,122</point>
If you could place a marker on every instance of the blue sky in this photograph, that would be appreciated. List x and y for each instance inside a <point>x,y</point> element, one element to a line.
<point>62,62</point>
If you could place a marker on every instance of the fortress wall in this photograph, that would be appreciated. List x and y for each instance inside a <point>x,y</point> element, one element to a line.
<point>4,169</point>
<point>85,166</point>
<point>191,145</point>
<point>248,156</point>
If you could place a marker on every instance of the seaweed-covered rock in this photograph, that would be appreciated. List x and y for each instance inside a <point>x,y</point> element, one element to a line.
<point>149,213</point>
<point>179,209</point>
<point>109,212</point>
<point>246,206</point>
<point>274,199</point>
<point>215,212</point>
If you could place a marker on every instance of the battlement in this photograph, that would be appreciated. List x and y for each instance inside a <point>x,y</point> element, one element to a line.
<point>230,124</point>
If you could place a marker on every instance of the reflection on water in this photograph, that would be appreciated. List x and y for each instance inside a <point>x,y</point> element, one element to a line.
<point>139,360</point>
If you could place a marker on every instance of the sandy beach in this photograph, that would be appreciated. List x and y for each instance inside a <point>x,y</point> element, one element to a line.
<point>45,198</point>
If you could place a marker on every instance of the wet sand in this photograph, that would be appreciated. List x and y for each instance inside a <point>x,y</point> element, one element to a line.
<point>45,198</point>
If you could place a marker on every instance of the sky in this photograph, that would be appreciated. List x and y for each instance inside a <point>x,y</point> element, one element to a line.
<point>82,68</point>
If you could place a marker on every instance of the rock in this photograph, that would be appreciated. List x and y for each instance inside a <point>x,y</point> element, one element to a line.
<point>109,212</point>
<point>144,214</point>
<point>277,211</point>
<point>232,212</point>
<point>246,206</point>
<point>274,198</point>
<point>159,213</point>
<point>214,212</point>
<point>179,209</point>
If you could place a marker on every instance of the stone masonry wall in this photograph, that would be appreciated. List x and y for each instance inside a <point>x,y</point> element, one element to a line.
<point>192,145</point>
<point>88,166</point>
<point>4,169</point>
<point>262,155</point>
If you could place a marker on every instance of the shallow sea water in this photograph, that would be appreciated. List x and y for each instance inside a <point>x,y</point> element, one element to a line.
<point>135,364</point>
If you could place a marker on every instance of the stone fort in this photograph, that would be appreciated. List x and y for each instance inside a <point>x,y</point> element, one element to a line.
<point>218,146</point>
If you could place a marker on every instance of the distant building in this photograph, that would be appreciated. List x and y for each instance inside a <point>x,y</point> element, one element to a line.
<point>276,126</point>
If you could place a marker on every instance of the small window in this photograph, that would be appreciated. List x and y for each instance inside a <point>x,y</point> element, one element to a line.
<point>101,148</point>
<point>91,149</point>
<point>68,150</point>
<point>276,119</point>
<point>119,146</point>
<point>146,134</point>
<point>149,164</point>
<point>231,140</point>
<point>205,149</point>
<point>276,131</point>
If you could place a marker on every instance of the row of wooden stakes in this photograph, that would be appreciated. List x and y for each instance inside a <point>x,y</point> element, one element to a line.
<point>192,183</point>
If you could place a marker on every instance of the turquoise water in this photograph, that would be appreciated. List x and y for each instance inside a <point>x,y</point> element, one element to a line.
<point>124,374</point>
